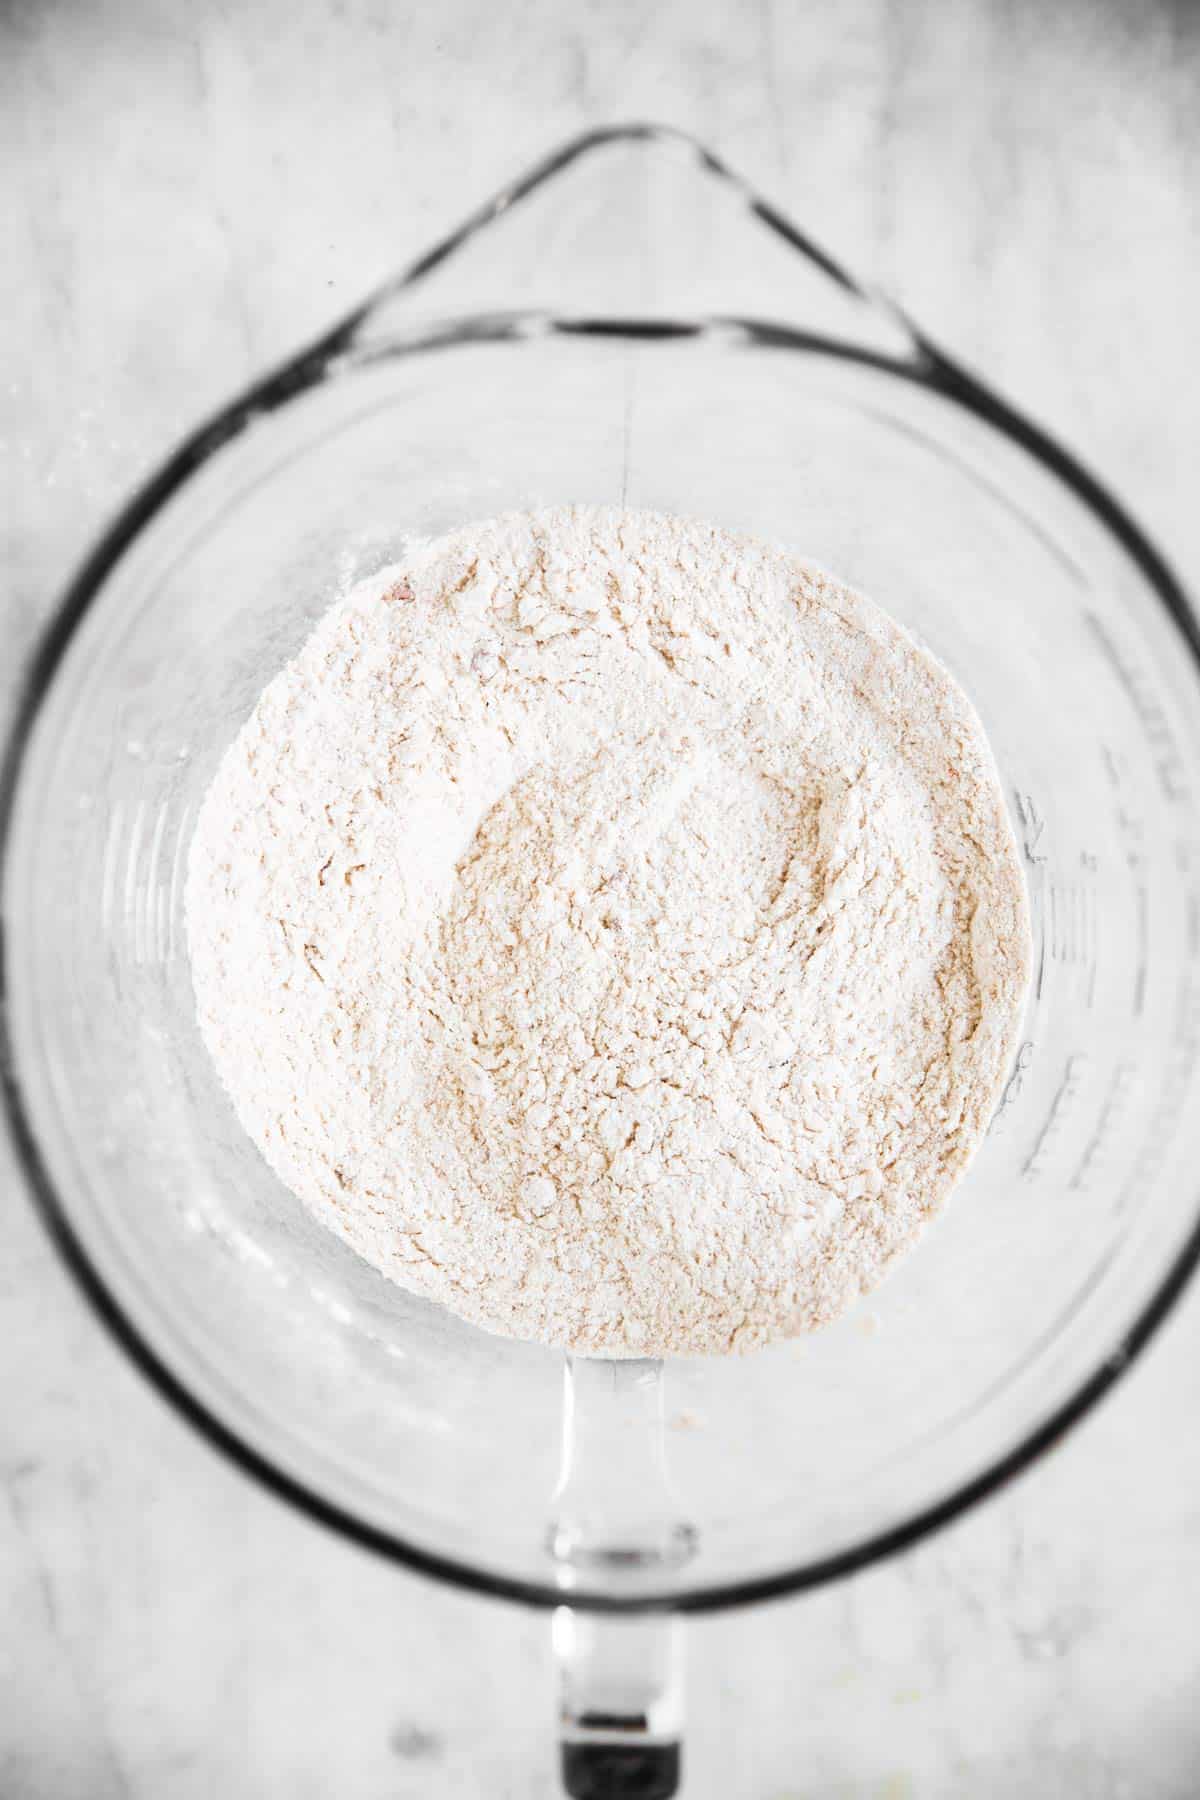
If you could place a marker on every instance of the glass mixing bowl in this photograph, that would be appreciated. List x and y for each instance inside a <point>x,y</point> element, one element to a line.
<point>627,324</point>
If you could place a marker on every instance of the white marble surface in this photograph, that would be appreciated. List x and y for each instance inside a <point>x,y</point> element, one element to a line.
<point>190,189</point>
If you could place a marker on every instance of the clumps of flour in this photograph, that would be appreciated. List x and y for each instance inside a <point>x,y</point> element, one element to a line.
<point>612,928</point>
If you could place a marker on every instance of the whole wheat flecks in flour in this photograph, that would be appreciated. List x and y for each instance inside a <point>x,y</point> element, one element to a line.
<point>613,929</point>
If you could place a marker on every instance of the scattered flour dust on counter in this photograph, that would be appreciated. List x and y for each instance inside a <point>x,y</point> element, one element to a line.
<point>613,929</point>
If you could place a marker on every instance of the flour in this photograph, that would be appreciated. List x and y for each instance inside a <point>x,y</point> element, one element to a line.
<point>613,929</point>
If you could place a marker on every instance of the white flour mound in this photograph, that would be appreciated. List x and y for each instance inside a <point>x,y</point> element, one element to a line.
<point>613,929</point>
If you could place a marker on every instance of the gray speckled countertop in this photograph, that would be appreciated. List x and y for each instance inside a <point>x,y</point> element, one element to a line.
<point>191,189</point>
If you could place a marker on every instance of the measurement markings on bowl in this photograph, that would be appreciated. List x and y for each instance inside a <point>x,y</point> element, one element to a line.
<point>1131,830</point>
<point>1013,1086</point>
<point>1073,928</point>
<point>1155,1150</point>
<point>1033,827</point>
<point>1113,1108</point>
<point>1073,933</point>
<point>1187,856</point>
<point>1061,1106</point>
<point>1089,863</point>
<point>1152,715</point>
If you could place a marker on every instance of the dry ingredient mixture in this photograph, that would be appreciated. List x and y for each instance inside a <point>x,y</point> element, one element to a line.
<point>612,927</point>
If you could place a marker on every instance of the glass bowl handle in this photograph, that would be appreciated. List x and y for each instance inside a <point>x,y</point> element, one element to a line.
<point>620,1704</point>
<point>616,1529</point>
